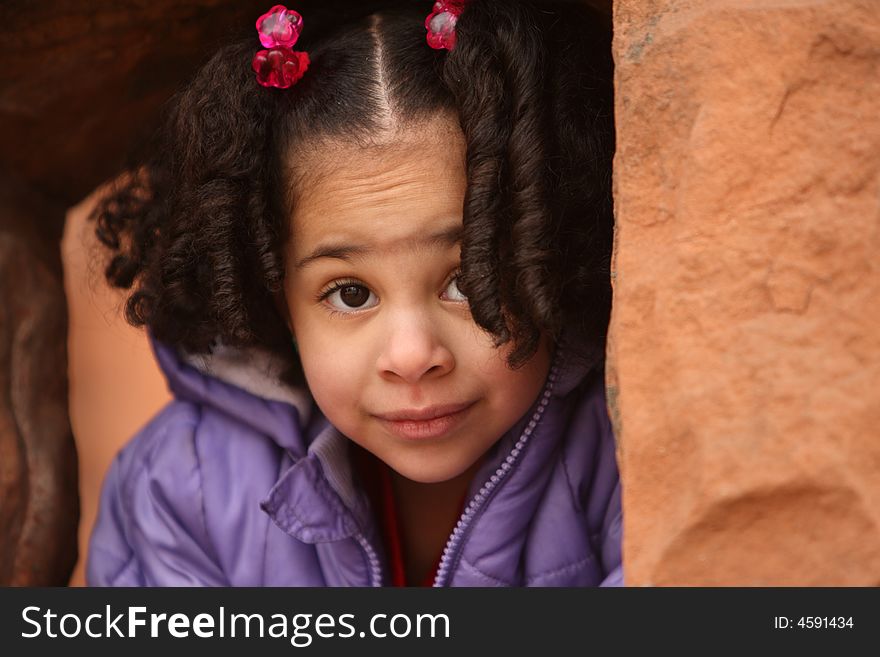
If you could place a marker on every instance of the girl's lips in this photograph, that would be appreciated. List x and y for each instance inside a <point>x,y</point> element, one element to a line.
<point>437,421</point>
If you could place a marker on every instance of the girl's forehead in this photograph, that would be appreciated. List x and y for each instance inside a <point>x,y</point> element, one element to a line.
<point>430,144</point>
<point>415,181</point>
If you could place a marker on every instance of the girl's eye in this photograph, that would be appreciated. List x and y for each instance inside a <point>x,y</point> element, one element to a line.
<point>349,296</point>
<point>452,291</point>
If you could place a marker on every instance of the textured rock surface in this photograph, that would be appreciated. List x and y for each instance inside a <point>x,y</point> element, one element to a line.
<point>745,352</point>
<point>38,468</point>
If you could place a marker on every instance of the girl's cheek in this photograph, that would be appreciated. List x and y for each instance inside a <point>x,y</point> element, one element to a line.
<point>325,379</point>
<point>333,357</point>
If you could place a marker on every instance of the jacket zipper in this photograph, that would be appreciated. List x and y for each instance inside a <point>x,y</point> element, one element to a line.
<point>451,552</point>
<point>372,558</point>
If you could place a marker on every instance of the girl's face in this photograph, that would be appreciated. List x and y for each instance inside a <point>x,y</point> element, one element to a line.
<point>389,349</point>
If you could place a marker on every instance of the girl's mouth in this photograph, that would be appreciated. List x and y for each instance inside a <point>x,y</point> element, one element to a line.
<point>433,422</point>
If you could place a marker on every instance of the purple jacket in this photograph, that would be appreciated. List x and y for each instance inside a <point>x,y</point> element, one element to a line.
<point>240,481</point>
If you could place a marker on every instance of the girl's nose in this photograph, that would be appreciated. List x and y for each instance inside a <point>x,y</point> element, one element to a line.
<point>413,350</point>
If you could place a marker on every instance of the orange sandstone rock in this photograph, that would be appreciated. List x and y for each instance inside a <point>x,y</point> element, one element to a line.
<point>744,358</point>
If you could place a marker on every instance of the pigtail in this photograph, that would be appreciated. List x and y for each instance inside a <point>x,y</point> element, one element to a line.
<point>471,73</point>
<point>581,89</point>
<point>196,229</point>
<point>537,161</point>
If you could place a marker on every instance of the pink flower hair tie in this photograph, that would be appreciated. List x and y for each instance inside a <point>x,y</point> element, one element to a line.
<point>279,66</point>
<point>440,23</point>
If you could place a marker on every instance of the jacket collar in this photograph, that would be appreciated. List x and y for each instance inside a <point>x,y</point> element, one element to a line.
<point>244,385</point>
<point>316,499</point>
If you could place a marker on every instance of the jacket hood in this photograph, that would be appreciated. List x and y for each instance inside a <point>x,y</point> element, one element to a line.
<point>243,384</point>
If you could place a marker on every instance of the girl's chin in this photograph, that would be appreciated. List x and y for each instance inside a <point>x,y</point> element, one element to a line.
<point>433,473</point>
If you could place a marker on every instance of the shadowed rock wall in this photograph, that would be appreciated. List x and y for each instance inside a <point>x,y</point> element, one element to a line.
<point>78,83</point>
<point>38,467</point>
<point>745,349</point>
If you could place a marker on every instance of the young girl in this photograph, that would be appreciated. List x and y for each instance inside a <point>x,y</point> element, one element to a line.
<point>375,269</point>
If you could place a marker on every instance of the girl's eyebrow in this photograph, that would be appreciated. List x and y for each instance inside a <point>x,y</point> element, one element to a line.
<point>444,239</point>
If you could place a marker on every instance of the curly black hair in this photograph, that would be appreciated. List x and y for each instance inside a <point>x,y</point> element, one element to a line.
<point>198,228</point>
